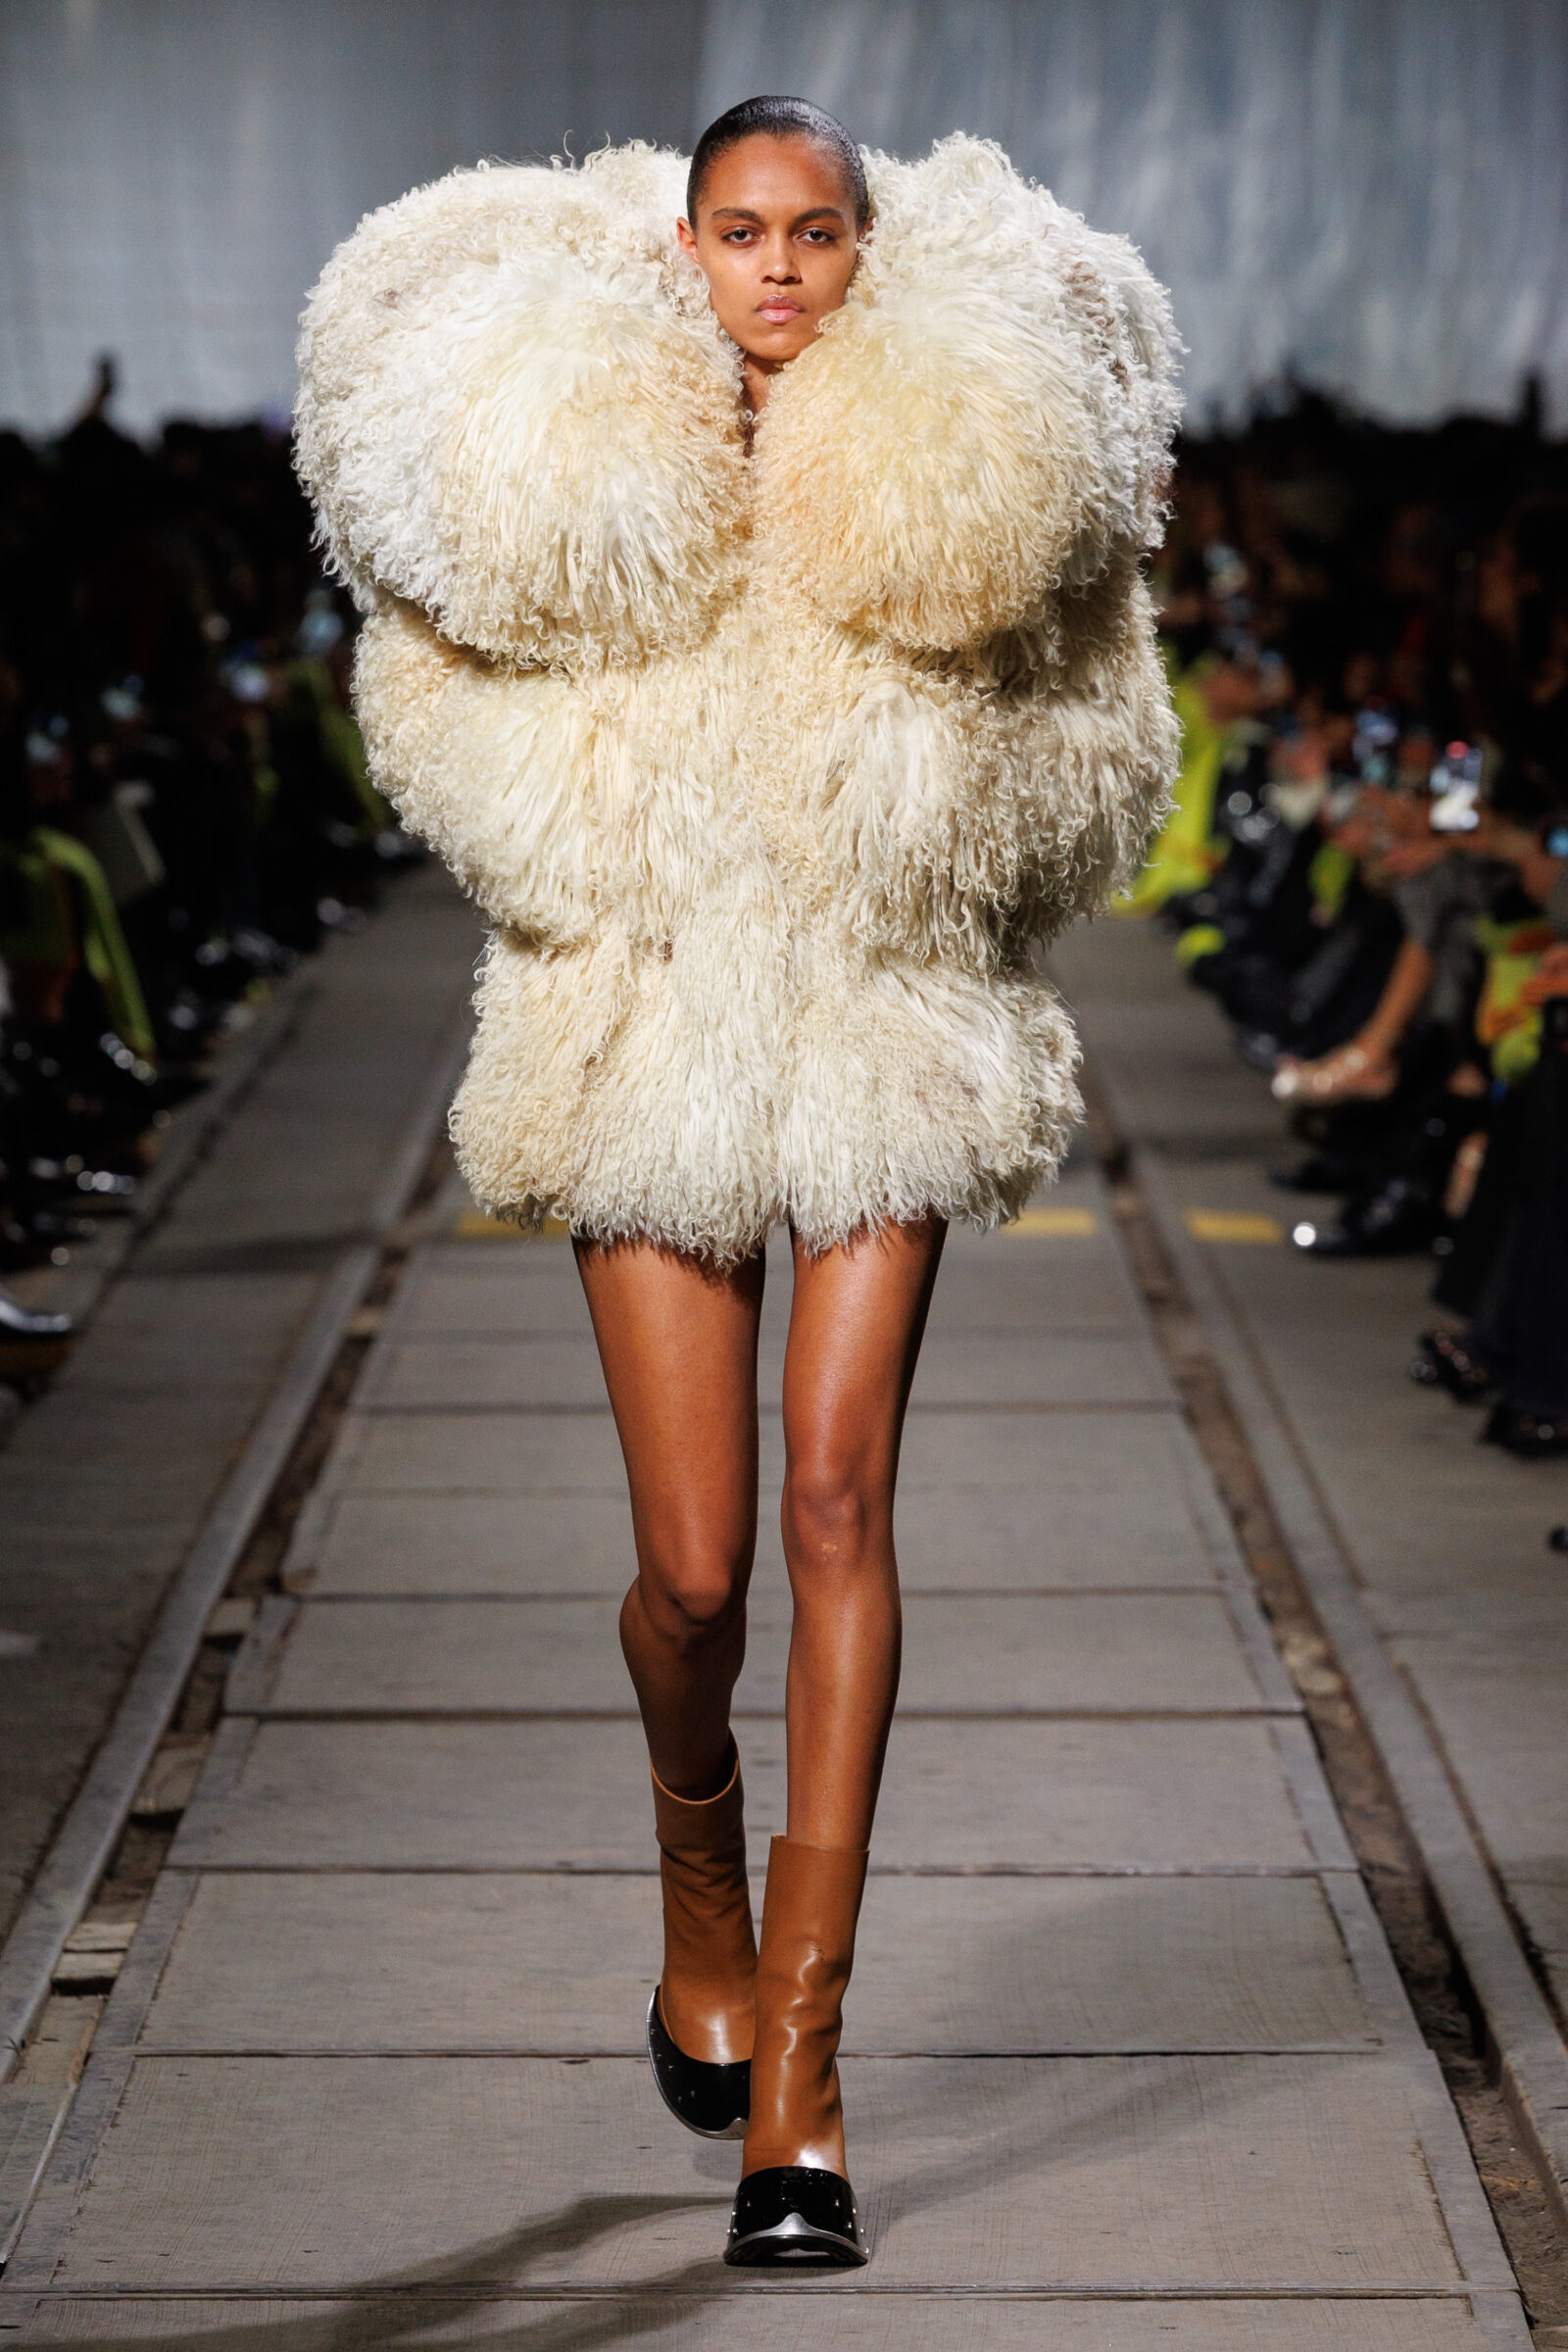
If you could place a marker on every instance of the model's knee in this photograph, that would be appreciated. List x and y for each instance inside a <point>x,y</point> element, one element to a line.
<point>693,1595</point>
<point>835,1515</point>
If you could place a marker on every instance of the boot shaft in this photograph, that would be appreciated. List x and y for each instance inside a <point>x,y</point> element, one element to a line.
<point>809,1920</point>
<point>709,1943</point>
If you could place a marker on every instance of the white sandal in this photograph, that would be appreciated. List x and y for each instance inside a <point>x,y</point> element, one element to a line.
<point>1337,1078</point>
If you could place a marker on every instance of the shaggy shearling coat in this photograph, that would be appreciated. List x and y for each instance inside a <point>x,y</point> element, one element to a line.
<point>766,768</point>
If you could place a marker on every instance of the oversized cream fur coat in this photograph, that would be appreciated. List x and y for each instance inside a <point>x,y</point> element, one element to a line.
<point>766,768</point>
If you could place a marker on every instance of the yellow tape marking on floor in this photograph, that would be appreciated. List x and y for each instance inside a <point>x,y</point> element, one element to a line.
<point>1080,1221</point>
<point>475,1226</point>
<point>1232,1225</point>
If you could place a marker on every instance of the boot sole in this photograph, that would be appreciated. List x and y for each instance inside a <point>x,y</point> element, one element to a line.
<point>792,2244</point>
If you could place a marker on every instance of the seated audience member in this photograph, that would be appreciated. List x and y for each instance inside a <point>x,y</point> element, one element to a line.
<point>184,808</point>
<point>1368,863</point>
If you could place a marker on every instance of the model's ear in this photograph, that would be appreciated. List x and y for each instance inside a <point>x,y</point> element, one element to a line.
<point>981,425</point>
<point>506,419</point>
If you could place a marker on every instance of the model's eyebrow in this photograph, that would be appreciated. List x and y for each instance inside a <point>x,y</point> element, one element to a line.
<point>818,212</point>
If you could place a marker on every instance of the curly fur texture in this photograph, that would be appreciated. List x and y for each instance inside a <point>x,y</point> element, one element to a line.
<point>767,773</point>
<point>507,419</point>
<point>1021,367</point>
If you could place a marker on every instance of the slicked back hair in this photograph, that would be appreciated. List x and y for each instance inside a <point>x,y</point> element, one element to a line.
<point>778,118</point>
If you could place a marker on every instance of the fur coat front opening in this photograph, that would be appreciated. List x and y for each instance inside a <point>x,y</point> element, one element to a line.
<point>768,771</point>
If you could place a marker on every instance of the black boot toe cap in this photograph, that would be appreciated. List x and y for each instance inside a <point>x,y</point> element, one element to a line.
<point>794,2213</point>
<point>712,2101</point>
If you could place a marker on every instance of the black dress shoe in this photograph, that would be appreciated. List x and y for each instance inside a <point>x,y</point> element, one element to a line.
<point>711,2100</point>
<point>792,2214</point>
<point>17,1322</point>
<point>31,1345</point>
<point>1442,1361</point>
<point>1530,1436</point>
<point>1392,1222</point>
<point>1320,1172</point>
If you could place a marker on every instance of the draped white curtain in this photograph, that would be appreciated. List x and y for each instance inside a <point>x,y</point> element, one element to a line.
<point>173,173</point>
<point>1372,194</point>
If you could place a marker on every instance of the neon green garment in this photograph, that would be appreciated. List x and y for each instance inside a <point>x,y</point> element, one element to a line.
<point>1182,858</point>
<point>1508,1027</point>
<point>342,745</point>
<point>42,861</point>
<point>1328,878</point>
<point>1197,941</point>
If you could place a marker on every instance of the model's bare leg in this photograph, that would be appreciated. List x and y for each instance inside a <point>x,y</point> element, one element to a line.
<point>856,1327</point>
<point>679,1344</point>
<point>855,1335</point>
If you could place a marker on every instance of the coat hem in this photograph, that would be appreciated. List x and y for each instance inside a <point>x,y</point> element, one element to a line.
<point>989,1203</point>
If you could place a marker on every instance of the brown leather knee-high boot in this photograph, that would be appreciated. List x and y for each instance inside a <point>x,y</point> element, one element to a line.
<point>795,2203</point>
<point>702,2016</point>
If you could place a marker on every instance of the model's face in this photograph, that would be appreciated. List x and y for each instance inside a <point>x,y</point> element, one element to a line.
<point>775,237</point>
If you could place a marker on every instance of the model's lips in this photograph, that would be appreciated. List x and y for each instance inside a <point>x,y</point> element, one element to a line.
<point>780,312</point>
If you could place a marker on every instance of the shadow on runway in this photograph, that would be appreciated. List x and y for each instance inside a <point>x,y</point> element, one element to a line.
<point>1004,2137</point>
<point>386,2313</point>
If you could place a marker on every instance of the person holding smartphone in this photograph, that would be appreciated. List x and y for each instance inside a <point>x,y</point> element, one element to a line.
<point>1536,854</point>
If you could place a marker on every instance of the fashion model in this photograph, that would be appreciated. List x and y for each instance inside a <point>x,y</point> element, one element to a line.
<point>750,556</point>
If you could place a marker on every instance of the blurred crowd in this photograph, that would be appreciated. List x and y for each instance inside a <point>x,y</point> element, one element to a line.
<point>184,806</point>
<point>1368,632</point>
<point>1369,862</point>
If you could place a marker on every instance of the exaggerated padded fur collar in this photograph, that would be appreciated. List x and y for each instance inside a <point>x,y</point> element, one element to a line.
<point>517,411</point>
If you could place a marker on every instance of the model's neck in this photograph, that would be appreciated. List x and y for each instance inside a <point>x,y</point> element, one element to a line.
<point>756,377</point>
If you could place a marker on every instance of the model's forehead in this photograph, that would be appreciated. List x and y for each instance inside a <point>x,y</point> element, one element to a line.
<point>768,173</point>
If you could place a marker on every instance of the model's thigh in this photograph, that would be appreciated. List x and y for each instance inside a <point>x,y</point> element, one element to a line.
<point>856,1325</point>
<point>679,1344</point>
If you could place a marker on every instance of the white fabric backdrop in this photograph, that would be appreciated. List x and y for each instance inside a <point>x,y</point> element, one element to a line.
<point>1373,192</point>
<point>173,173</point>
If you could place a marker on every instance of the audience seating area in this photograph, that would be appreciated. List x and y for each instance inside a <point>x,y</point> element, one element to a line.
<point>184,806</point>
<point>1367,864</point>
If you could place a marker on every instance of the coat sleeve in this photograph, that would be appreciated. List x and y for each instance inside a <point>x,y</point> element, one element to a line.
<point>506,419</point>
<point>488,766</point>
<point>985,426</point>
<point>967,823</point>
<point>1100,745</point>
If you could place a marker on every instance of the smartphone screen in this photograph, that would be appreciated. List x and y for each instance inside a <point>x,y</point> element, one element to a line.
<point>1455,784</point>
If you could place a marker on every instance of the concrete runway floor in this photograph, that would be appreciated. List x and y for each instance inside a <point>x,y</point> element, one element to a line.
<point>1128,2062</point>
